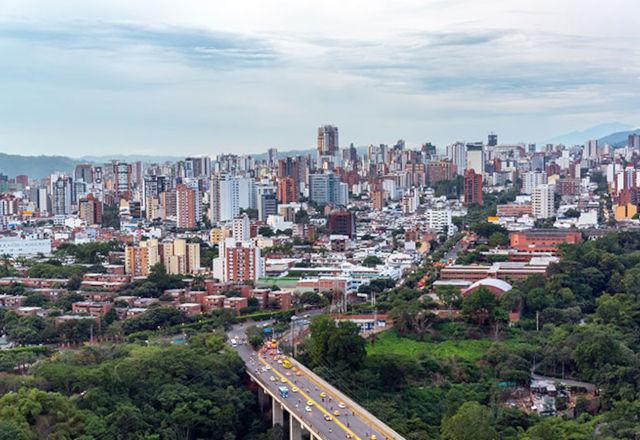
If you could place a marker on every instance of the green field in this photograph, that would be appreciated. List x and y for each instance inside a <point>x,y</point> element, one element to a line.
<point>390,343</point>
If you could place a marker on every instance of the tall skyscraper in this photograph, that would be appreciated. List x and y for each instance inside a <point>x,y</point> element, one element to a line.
<point>542,201</point>
<point>472,187</point>
<point>267,205</point>
<point>634,141</point>
<point>327,140</point>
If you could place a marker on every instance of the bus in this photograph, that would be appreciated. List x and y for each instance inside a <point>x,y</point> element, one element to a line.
<point>284,392</point>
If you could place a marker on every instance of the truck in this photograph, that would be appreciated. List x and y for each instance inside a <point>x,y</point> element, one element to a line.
<point>284,392</point>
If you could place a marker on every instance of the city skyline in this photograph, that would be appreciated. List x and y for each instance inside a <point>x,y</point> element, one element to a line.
<point>147,78</point>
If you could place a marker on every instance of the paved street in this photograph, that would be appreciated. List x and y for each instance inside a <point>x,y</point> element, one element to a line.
<point>324,400</point>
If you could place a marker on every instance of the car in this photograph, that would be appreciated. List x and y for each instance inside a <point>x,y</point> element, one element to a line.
<point>298,373</point>
<point>267,367</point>
<point>309,403</point>
<point>323,394</point>
<point>342,405</point>
<point>294,389</point>
<point>328,418</point>
<point>307,408</point>
<point>336,413</point>
<point>272,379</point>
<point>283,380</point>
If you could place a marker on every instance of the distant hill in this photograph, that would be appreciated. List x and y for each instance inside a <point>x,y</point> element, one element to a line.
<point>35,166</point>
<point>618,139</point>
<point>579,137</point>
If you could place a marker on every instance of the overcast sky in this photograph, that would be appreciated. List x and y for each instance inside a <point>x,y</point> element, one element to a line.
<point>204,77</point>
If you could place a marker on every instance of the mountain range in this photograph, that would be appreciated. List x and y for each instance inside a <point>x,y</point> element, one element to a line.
<point>612,133</point>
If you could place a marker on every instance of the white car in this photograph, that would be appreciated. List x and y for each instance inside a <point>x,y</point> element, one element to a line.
<point>307,408</point>
<point>342,405</point>
<point>272,379</point>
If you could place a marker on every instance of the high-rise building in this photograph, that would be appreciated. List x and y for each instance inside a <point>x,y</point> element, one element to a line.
<point>90,210</point>
<point>475,158</point>
<point>136,261</point>
<point>84,173</point>
<point>634,141</point>
<point>238,261</point>
<point>591,149</point>
<point>324,188</point>
<point>267,205</point>
<point>287,190</point>
<point>327,140</point>
<point>186,199</point>
<point>531,179</point>
<point>492,139</point>
<point>542,201</point>
<point>472,187</point>
<point>240,228</point>
<point>61,194</point>
<point>438,171</point>
<point>342,223</point>
<point>229,194</point>
<point>272,155</point>
<point>457,154</point>
<point>123,181</point>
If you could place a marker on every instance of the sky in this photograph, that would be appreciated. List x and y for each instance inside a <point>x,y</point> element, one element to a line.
<point>170,77</point>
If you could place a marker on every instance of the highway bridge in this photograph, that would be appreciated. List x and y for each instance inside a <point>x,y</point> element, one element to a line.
<point>314,408</point>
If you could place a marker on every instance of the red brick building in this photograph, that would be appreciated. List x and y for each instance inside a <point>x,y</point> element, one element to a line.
<point>472,188</point>
<point>545,240</point>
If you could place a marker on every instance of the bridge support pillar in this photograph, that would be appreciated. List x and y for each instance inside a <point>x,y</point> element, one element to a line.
<point>277,413</point>
<point>263,399</point>
<point>295,429</point>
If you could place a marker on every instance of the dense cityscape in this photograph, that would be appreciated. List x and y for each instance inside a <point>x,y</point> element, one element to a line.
<point>475,290</point>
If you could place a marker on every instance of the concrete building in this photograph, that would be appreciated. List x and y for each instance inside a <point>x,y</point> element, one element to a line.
<point>472,187</point>
<point>238,261</point>
<point>542,201</point>
<point>531,179</point>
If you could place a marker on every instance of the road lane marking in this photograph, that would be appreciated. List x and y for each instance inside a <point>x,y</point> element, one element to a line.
<point>321,408</point>
<point>371,423</point>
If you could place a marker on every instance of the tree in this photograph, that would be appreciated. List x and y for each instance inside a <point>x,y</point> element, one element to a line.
<point>371,261</point>
<point>336,346</point>
<point>450,297</point>
<point>483,307</point>
<point>472,422</point>
<point>266,231</point>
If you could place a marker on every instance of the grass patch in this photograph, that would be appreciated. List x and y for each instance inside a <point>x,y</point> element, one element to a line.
<point>390,343</point>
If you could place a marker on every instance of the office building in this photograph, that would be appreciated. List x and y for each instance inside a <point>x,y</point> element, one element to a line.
<point>324,188</point>
<point>267,205</point>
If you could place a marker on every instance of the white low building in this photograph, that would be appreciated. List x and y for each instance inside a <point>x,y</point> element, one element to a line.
<point>24,247</point>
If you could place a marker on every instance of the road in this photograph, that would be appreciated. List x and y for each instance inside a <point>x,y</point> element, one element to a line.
<point>350,423</point>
